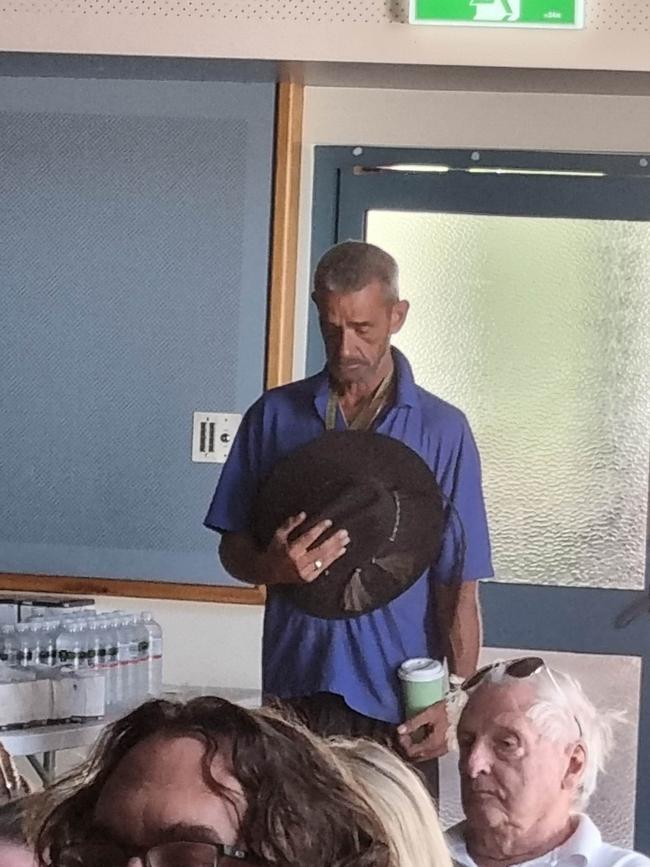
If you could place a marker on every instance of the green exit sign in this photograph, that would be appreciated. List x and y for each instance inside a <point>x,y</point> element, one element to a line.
<point>558,14</point>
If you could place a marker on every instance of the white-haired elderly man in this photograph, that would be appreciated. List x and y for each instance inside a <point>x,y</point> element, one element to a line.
<point>531,746</point>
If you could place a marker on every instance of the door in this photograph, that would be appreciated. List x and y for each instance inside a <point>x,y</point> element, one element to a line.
<point>529,282</point>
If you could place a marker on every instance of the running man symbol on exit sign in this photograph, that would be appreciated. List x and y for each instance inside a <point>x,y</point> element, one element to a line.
<point>558,14</point>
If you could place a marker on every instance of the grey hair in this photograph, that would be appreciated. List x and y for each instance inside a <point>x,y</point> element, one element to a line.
<point>563,714</point>
<point>351,265</point>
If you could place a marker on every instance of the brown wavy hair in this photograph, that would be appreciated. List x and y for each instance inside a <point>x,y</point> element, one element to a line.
<point>302,805</point>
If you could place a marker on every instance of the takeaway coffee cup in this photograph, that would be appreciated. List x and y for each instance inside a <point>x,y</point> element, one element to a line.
<point>423,684</point>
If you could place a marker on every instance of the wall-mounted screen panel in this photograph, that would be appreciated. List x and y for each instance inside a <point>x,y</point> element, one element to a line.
<point>134,228</point>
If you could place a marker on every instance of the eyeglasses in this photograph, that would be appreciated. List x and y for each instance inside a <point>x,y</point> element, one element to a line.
<point>521,668</point>
<point>166,855</point>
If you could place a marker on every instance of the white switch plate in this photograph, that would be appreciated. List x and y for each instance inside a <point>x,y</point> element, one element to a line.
<point>212,435</point>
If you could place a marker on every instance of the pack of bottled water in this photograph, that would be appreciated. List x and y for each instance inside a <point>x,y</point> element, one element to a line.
<point>125,650</point>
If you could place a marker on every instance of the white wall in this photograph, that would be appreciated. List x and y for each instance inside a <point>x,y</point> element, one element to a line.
<point>205,643</point>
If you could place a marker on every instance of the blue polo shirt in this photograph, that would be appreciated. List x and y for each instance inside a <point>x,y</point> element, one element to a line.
<point>358,657</point>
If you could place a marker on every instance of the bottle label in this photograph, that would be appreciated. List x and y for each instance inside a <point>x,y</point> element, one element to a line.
<point>71,656</point>
<point>156,647</point>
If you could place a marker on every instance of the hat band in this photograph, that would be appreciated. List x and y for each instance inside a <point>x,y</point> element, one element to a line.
<point>398,516</point>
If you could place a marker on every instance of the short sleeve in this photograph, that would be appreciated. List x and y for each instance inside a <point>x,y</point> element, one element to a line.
<point>466,546</point>
<point>232,503</point>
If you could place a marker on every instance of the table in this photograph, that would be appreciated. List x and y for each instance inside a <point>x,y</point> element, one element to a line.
<point>47,741</point>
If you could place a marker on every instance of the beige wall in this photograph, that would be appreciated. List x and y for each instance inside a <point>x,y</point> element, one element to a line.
<point>373,31</point>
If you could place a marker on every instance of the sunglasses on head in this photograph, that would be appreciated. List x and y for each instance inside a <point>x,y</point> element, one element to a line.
<point>520,669</point>
<point>524,666</point>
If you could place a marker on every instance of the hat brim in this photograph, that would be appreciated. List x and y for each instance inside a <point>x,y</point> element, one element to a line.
<point>382,493</point>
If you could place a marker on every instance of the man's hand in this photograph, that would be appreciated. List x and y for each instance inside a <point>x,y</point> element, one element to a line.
<point>424,736</point>
<point>286,562</point>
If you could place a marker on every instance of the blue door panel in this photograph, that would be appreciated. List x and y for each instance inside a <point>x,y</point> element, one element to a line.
<point>347,184</point>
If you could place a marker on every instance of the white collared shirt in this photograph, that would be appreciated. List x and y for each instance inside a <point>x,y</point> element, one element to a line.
<point>584,848</point>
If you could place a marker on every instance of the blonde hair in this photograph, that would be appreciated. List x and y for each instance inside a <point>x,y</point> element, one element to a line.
<point>400,801</point>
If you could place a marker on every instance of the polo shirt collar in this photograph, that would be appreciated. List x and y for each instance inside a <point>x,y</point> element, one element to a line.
<point>406,394</point>
<point>585,840</point>
<point>581,847</point>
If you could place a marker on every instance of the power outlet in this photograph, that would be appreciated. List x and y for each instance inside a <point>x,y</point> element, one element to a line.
<point>212,436</point>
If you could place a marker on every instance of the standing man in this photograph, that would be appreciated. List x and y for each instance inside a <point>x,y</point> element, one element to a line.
<point>342,674</point>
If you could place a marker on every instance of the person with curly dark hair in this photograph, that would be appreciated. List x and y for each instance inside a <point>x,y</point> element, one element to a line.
<point>209,784</point>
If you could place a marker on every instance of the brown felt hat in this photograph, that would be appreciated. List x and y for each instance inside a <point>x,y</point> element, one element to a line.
<point>376,488</point>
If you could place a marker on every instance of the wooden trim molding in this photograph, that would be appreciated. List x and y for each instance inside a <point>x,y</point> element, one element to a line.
<point>284,235</point>
<point>80,586</point>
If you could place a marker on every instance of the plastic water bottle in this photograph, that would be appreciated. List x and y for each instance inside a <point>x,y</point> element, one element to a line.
<point>69,646</point>
<point>25,653</point>
<point>43,640</point>
<point>36,635</point>
<point>144,649</point>
<point>97,645</point>
<point>128,657</point>
<point>92,644</point>
<point>9,646</point>
<point>108,665</point>
<point>121,680</point>
<point>83,642</point>
<point>52,630</point>
<point>155,657</point>
<point>119,676</point>
<point>141,661</point>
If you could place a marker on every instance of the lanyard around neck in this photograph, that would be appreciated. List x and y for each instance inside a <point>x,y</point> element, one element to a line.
<point>366,418</point>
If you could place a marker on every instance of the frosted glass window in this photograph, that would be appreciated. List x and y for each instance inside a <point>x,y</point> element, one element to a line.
<point>611,682</point>
<point>539,329</point>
